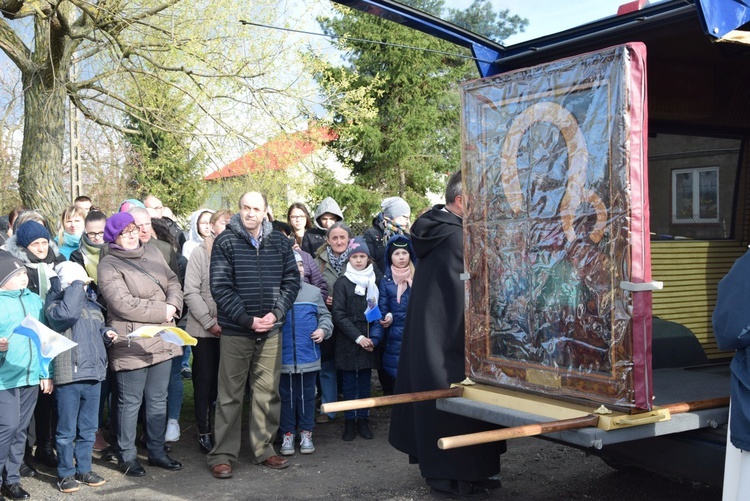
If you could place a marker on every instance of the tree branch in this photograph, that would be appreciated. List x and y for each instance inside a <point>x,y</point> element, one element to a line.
<point>14,48</point>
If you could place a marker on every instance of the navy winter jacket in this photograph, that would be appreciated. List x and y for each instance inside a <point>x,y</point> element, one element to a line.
<point>249,281</point>
<point>75,316</point>
<point>388,304</point>
<point>309,312</point>
<point>731,323</point>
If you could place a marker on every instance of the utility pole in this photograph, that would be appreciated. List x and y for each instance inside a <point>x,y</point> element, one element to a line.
<point>76,181</point>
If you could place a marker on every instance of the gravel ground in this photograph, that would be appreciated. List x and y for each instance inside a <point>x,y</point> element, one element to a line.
<point>533,469</point>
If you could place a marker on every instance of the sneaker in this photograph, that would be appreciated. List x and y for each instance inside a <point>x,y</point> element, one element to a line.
<point>173,431</point>
<point>90,479</point>
<point>68,484</point>
<point>306,444</point>
<point>186,373</point>
<point>287,446</point>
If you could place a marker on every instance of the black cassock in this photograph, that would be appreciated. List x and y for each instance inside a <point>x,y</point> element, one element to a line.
<point>432,357</point>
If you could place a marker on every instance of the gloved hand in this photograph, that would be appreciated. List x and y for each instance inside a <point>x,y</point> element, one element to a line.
<point>69,272</point>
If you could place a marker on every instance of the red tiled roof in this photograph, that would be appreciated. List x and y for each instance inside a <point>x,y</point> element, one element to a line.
<point>278,154</point>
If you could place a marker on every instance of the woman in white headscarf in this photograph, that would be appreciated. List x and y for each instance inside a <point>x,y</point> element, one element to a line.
<point>200,228</point>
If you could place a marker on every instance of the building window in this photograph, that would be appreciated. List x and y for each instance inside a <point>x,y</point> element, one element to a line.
<point>695,195</point>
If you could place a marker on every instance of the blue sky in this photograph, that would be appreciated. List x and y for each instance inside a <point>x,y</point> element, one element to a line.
<point>550,16</point>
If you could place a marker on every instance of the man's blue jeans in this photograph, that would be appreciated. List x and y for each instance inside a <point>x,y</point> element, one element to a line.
<point>175,390</point>
<point>77,421</point>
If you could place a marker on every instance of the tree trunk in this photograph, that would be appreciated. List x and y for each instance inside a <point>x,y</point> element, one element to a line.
<point>40,177</point>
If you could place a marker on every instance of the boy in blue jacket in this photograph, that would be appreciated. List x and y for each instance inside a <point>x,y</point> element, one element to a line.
<point>307,324</point>
<point>72,312</point>
<point>19,371</point>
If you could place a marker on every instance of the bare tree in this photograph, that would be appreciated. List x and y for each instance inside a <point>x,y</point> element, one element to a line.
<point>198,48</point>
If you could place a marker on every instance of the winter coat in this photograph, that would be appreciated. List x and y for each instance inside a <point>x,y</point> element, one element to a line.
<point>313,275</point>
<point>299,352</point>
<point>249,281</point>
<point>70,243</point>
<point>201,305</point>
<point>71,313</point>
<point>432,356</point>
<point>315,237</point>
<point>349,323</point>
<point>32,268</point>
<point>731,325</point>
<point>388,304</point>
<point>19,365</point>
<point>327,347</point>
<point>87,255</point>
<point>374,238</point>
<point>194,237</point>
<point>134,300</point>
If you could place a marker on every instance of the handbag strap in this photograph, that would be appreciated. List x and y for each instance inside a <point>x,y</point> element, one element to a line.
<point>149,275</point>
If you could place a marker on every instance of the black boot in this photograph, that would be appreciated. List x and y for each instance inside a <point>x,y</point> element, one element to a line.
<point>363,428</point>
<point>350,427</point>
<point>27,465</point>
<point>46,454</point>
<point>206,442</point>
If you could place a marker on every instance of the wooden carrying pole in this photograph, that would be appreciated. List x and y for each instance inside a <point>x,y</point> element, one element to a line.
<point>590,420</point>
<point>404,398</point>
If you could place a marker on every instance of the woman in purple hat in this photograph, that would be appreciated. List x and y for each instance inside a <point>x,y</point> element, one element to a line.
<point>140,289</point>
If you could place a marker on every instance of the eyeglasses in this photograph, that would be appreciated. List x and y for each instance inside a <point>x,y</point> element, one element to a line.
<point>131,233</point>
<point>93,235</point>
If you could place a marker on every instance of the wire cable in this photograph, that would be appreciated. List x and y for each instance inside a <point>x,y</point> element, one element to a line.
<point>364,40</point>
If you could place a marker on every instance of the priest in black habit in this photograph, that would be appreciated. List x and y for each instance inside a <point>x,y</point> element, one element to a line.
<point>432,358</point>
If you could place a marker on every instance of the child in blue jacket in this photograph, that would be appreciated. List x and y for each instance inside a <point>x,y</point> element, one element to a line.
<point>19,371</point>
<point>395,289</point>
<point>307,324</point>
<point>72,312</point>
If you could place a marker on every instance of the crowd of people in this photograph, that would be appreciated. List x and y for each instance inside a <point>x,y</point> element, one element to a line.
<point>285,314</point>
<point>290,313</point>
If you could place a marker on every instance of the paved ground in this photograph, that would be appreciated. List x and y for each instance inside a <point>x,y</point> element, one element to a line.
<point>533,469</point>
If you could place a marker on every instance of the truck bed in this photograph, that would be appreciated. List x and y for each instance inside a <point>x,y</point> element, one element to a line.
<point>670,386</point>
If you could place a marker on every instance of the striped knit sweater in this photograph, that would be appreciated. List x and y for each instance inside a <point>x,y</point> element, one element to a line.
<point>249,281</point>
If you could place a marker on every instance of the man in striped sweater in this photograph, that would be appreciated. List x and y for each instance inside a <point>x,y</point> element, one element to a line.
<point>254,281</point>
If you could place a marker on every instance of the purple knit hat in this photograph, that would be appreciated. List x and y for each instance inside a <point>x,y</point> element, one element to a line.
<point>115,224</point>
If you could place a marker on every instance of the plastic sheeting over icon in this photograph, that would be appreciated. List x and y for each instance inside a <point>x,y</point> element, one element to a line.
<point>554,157</point>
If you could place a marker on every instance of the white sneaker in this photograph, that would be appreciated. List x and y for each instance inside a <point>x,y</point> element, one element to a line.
<point>287,446</point>
<point>173,431</point>
<point>306,444</point>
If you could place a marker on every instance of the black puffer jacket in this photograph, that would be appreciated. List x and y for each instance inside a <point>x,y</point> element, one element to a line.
<point>249,282</point>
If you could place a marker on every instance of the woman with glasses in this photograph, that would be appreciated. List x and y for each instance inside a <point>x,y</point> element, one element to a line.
<point>88,255</point>
<point>298,217</point>
<point>92,241</point>
<point>140,289</point>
